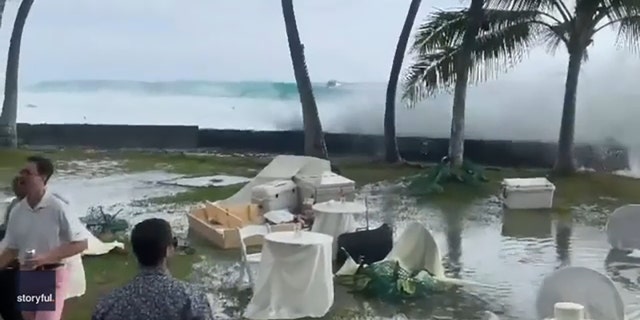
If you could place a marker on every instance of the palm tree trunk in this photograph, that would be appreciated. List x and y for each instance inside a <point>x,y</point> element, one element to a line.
<point>2,5</point>
<point>565,163</point>
<point>463,65</point>
<point>9,115</point>
<point>314,144</point>
<point>392,155</point>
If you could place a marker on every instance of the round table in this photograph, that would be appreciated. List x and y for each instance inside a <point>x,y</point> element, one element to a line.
<point>335,218</point>
<point>295,278</point>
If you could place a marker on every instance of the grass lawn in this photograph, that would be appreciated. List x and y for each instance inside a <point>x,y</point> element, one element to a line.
<point>106,272</point>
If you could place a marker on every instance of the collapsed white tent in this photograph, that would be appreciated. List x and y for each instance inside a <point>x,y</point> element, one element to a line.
<point>584,286</point>
<point>283,167</point>
<point>622,228</point>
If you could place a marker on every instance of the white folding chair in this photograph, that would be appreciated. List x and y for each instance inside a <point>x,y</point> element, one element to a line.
<point>248,260</point>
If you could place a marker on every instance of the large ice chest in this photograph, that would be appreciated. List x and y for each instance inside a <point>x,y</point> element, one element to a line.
<point>324,187</point>
<point>528,193</point>
<point>275,195</point>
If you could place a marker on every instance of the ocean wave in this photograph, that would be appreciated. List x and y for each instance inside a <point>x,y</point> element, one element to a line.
<point>245,89</point>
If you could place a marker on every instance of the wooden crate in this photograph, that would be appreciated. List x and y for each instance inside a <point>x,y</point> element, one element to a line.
<point>219,225</point>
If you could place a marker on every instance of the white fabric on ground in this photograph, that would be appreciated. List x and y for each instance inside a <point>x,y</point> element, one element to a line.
<point>77,277</point>
<point>623,226</point>
<point>594,290</point>
<point>416,250</point>
<point>283,167</point>
<point>294,279</point>
<point>335,218</point>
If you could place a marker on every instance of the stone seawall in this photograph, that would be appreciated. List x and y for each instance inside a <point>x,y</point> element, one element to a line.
<point>108,136</point>
<point>487,152</point>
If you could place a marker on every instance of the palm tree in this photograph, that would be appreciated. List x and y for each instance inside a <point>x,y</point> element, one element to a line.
<point>576,29</point>
<point>456,47</point>
<point>392,155</point>
<point>2,5</point>
<point>8,117</point>
<point>314,144</point>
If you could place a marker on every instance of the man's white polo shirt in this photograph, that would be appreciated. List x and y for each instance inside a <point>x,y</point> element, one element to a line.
<point>43,228</point>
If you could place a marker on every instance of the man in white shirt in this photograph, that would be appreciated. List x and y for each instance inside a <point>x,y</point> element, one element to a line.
<point>41,222</point>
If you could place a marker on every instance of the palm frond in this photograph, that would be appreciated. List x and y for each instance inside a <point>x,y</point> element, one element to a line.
<point>629,32</point>
<point>446,28</point>
<point>507,38</point>
<point>430,73</point>
<point>500,50</point>
<point>521,4</point>
<point>441,29</point>
<point>555,10</point>
<point>619,9</point>
<point>553,36</point>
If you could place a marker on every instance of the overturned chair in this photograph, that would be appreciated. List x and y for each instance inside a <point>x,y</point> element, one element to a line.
<point>622,228</point>
<point>580,293</point>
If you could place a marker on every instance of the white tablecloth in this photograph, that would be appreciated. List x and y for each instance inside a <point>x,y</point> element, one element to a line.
<point>295,278</point>
<point>335,218</point>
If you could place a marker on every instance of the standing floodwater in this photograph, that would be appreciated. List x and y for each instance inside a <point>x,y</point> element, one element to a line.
<point>510,251</point>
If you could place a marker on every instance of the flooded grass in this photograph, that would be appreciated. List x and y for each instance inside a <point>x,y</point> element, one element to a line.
<point>196,195</point>
<point>586,197</point>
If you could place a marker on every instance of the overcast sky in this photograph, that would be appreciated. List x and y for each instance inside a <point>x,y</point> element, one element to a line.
<point>349,40</point>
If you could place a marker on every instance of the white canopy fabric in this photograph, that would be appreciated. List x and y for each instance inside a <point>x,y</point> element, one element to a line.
<point>623,226</point>
<point>416,250</point>
<point>283,167</point>
<point>593,290</point>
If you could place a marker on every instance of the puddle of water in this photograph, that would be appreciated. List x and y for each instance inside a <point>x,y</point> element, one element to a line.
<point>511,251</point>
<point>211,181</point>
<point>119,191</point>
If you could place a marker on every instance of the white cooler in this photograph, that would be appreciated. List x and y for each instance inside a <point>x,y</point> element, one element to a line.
<point>275,195</point>
<point>324,187</point>
<point>528,193</point>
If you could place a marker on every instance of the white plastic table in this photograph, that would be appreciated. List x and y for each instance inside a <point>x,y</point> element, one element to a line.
<point>335,218</point>
<point>295,278</point>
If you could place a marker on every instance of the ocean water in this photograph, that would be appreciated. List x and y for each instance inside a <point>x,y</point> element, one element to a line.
<point>178,50</point>
<point>495,110</point>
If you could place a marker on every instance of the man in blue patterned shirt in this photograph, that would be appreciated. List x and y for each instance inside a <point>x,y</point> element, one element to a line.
<point>153,294</point>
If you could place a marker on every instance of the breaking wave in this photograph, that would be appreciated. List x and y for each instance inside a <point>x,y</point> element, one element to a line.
<point>247,89</point>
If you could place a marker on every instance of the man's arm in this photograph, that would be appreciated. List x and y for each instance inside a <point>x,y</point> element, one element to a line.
<point>73,235</point>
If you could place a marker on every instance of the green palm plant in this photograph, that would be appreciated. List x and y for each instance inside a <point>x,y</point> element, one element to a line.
<point>456,47</point>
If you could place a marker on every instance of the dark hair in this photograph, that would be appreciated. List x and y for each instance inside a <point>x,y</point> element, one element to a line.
<point>43,165</point>
<point>150,240</point>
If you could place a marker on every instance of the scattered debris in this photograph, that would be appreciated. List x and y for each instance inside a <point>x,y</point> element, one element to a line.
<point>104,225</point>
<point>432,182</point>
